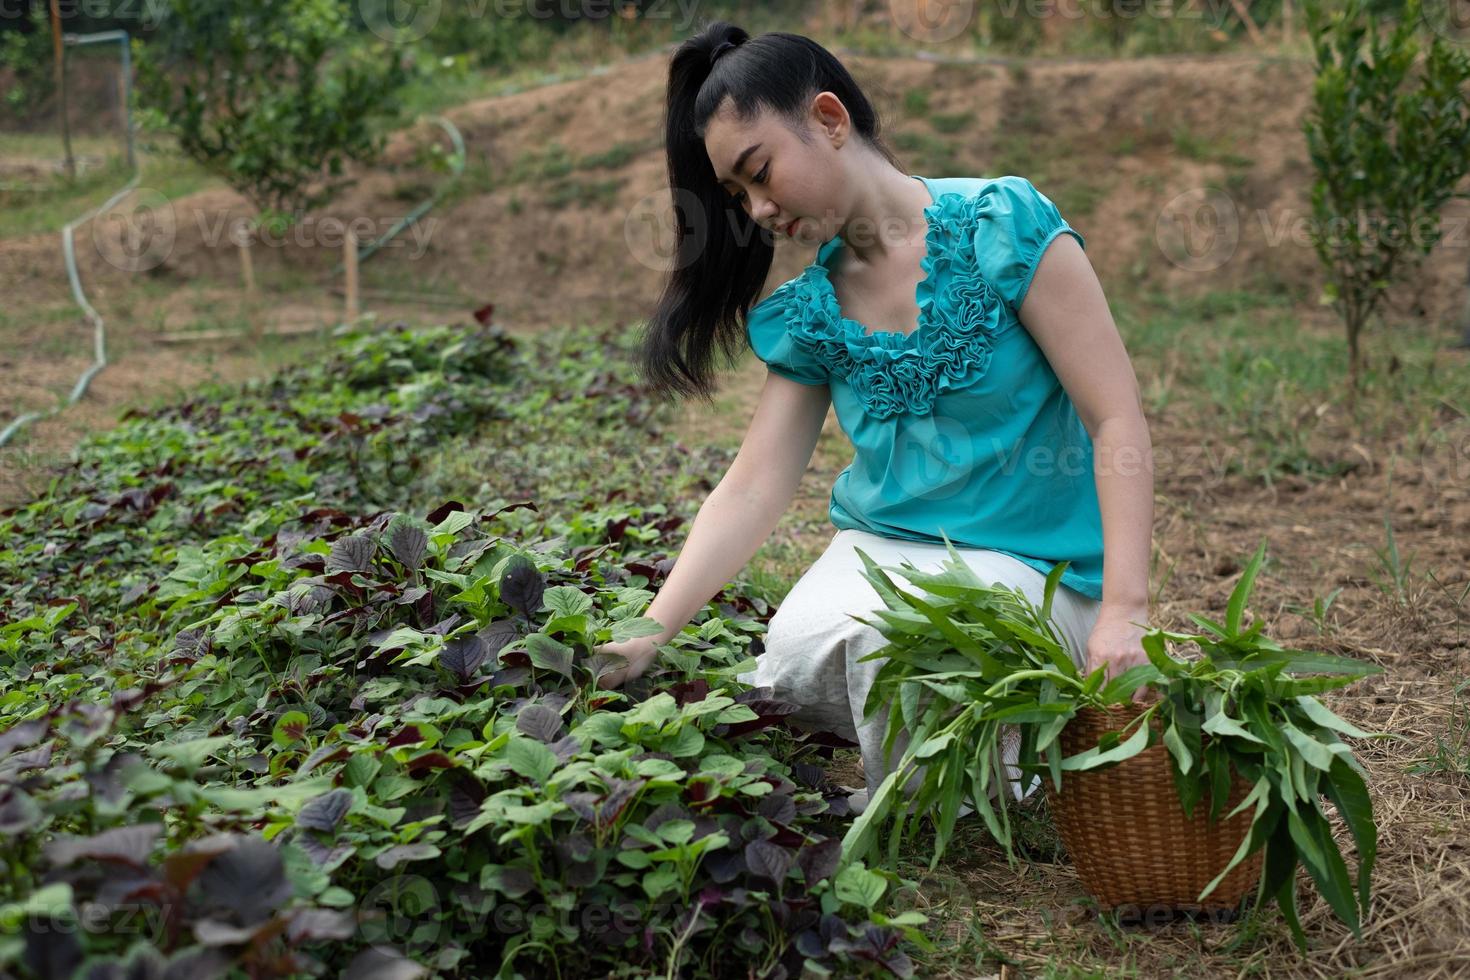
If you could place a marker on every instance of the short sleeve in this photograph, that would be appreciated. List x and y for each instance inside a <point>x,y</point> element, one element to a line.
<point>1015,223</point>
<point>772,343</point>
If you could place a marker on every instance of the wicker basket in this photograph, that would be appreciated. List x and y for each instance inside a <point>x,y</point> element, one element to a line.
<point>1132,845</point>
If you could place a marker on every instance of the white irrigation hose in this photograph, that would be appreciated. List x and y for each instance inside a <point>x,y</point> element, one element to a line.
<point>99,331</point>
<point>456,163</point>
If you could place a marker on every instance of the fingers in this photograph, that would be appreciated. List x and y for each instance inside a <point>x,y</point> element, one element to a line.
<point>609,667</point>
<point>607,680</point>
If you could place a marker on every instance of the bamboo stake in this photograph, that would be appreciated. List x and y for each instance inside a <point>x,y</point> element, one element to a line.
<point>247,263</point>
<point>1245,18</point>
<point>56,43</point>
<point>349,268</point>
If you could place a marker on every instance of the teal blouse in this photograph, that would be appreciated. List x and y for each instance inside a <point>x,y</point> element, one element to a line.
<point>960,429</point>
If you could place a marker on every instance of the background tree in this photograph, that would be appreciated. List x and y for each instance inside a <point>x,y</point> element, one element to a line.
<point>1389,136</point>
<point>275,96</point>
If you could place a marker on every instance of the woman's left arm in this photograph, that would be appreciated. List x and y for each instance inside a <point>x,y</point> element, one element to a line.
<point>1065,312</point>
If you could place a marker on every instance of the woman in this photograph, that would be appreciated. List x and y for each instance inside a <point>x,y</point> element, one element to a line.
<point>962,336</point>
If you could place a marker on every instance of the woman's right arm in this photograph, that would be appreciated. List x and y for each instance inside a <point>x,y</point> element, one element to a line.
<point>738,515</point>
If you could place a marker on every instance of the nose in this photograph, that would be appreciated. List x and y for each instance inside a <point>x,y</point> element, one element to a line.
<point>764,210</point>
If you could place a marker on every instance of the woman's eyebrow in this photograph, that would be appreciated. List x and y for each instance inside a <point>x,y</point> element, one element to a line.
<point>740,162</point>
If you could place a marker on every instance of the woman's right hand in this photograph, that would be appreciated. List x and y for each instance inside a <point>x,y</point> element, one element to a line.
<point>620,662</point>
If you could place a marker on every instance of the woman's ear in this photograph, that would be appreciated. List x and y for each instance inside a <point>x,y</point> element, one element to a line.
<point>830,116</point>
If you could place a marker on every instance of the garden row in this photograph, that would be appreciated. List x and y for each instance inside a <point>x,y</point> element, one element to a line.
<point>265,709</point>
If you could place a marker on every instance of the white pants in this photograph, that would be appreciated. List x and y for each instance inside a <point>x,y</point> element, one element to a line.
<point>812,646</point>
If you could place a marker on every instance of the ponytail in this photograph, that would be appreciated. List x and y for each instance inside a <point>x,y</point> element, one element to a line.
<point>723,256</point>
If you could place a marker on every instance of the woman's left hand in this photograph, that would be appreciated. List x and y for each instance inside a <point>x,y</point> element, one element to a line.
<point>1116,644</point>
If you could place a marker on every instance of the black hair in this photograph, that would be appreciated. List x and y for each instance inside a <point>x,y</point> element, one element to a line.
<point>723,256</point>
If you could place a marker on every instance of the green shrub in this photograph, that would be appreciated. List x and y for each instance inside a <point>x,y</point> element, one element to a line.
<point>275,97</point>
<point>1389,138</point>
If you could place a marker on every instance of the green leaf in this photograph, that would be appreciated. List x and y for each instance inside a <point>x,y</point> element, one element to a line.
<point>1313,752</point>
<point>190,755</point>
<point>857,885</point>
<point>1238,596</point>
<point>1209,624</point>
<point>1153,645</point>
<point>1122,687</point>
<point>1053,579</point>
<point>549,654</point>
<point>1298,662</point>
<point>1223,724</point>
<point>1323,716</point>
<point>957,693</point>
<point>1048,730</point>
<point>529,758</point>
<point>290,729</point>
<point>1260,795</point>
<point>289,796</point>
<point>49,901</point>
<point>908,704</point>
<point>566,600</point>
<point>1349,794</point>
<point>653,712</point>
<point>1317,850</point>
<point>1030,712</point>
<point>1178,749</point>
<point>961,640</point>
<point>934,745</point>
<point>1278,878</point>
<point>1094,757</point>
<point>631,629</point>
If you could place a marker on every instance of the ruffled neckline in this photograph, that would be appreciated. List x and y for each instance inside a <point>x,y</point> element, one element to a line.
<point>821,269</point>
<point>960,315</point>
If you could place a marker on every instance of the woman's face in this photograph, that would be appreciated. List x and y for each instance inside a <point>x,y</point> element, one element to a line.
<point>783,183</point>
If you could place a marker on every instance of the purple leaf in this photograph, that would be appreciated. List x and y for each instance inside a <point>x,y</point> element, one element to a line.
<point>212,932</point>
<point>768,860</point>
<point>819,861</point>
<point>777,807</point>
<point>353,553</point>
<point>437,515</point>
<point>539,722</point>
<point>125,845</point>
<point>409,545</point>
<point>522,585</point>
<point>326,811</point>
<point>400,853</point>
<point>463,656</point>
<point>52,952</point>
<point>465,796</point>
<point>25,734</point>
<point>383,963</point>
<point>723,866</point>
<point>248,881</point>
<point>309,924</point>
<point>326,857</point>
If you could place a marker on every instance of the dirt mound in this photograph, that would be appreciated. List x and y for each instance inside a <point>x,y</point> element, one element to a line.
<point>1186,175</point>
